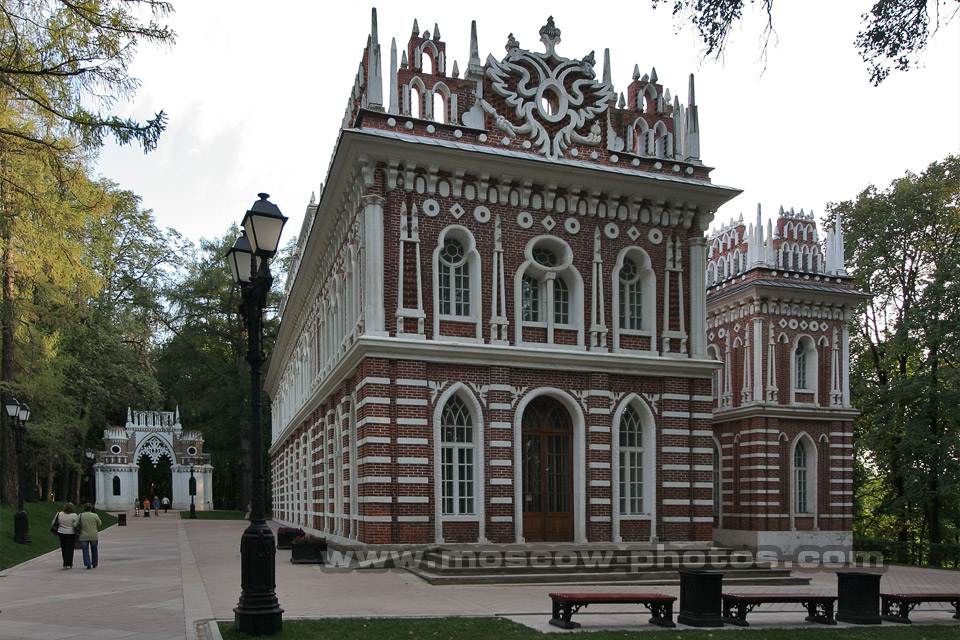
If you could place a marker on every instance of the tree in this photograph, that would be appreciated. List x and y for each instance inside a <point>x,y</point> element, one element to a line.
<point>894,32</point>
<point>63,64</point>
<point>905,245</point>
<point>56,56</point>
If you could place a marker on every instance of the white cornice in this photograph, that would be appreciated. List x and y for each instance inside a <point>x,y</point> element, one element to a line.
<point>785,412</point>
<point>492,355</point>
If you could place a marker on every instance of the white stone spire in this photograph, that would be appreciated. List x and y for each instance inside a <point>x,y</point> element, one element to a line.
<point>692,137</point>
<point>835,250</point>
<point>393,108</point>
<point>374,92</point>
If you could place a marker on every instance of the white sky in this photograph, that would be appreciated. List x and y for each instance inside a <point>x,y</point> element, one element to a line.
<point>256,97</point>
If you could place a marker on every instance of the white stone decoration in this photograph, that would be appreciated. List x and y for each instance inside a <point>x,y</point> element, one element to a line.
<point>456,210</point>
<point>431,207</point>
<point>392,122</point>
<point>614,158</point>
<point>721,333</point>
<point>814,325</point>
<point>803,325</point>
<point>505,142</point>
<point>481,213</point>
<point>443,188</point>
<point>431,128</point>
<point>408,125</point>
<point>457,133</point>
<point>633,233</point>
<point>524,220</point>
<point>544,90</point>
<point>482,137</point>
<point>548,223</point>
<point>783,323</point>
<point>154,449</point>
<point>572,225</point>
<point>655,236</point>
<point>612,231</point>
<point>793,324</point>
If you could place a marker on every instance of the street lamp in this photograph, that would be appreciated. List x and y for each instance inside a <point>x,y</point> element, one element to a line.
<point>193,492</point>
<point>19,414</point>
<point>93,493</point>
<point>258,612</point>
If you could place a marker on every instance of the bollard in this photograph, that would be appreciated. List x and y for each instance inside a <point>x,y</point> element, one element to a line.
<point>858,597</point>
<point>121,519</point>
<point>700,598</point>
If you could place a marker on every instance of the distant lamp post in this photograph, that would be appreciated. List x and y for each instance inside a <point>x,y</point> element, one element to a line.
<point>193,492</point>
<point>91,456</point>
<point>258,612</point>
<point>19,414</point>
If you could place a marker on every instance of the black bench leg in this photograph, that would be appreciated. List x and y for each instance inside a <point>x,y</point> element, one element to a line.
<point>662,614</point>
<point>561,616</point>
<point>815,614</point>
<point>903,611</point>
<point>956,605</point>
<point>740,619</point>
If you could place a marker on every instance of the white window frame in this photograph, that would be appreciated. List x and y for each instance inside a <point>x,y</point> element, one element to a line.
<point>649,466</point>
<point>474,267</point>
<point>648,295</point>
<point>808,358</point>
<point>464,394</point>
<point>545,277</point>
<point>809,482</point>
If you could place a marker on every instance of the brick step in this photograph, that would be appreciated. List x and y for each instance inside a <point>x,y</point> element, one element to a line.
<point>757,578</point>
<point>448,566</point>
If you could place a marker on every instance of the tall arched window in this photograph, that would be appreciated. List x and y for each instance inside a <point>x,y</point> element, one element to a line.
<point>561,301</point>
<point>631,301</point>
<point>801,479</point>
<point>800,362</point>
<point>454,284</point>
<point>457,476</point>
<point>631,462</point>
<point>717,480</point>
<point>531,299</point>
<point>116,485</point>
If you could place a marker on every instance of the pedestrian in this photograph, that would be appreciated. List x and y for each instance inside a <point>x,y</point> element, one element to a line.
<point>89,523</point>
<point>146,507</point>
<point>136,508</point>
<point>166,503</point>
<point>156,506</point>
<point>64,522</point>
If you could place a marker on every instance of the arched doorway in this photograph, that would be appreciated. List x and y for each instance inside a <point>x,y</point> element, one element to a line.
<point>547,464</point>
<point>155,479</point>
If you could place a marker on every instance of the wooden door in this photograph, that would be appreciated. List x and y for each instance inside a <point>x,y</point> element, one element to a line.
<point>547,467</point>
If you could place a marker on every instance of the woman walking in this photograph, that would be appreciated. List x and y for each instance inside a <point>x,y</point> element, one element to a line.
<point>89,538</point>
<point>65,521</point>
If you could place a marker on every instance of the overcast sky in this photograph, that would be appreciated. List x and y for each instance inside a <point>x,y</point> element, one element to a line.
<point>256,96</point>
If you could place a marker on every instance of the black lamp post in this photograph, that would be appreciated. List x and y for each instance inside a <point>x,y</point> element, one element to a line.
<point>19,414</point>
<point>91,455</point>
<point>258,612</point>
<point>193,492</point>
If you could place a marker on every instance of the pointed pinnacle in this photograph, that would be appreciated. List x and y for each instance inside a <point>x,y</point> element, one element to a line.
<point>606,66</point>
<point>636,72</point>
<point>416,28</point>
<point>622,103</point>
<point>436,31</point>
<point>456,70</point>
<point>653,74</point>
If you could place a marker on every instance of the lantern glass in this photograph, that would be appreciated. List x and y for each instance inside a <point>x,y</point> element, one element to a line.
<point>263,224</point>
<point>24,412</point>
<point>239,259</point>
<point>12,407</point>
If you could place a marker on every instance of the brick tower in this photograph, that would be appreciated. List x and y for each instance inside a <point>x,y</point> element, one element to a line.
<point>777,318</point>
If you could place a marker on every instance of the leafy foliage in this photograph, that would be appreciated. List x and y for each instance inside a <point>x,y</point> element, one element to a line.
<point>894,32</point>
<point>905,245</point>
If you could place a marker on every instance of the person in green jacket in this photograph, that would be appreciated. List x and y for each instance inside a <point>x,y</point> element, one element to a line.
<point>88,524</point>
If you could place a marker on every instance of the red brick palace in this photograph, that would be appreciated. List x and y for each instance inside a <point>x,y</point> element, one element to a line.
<point>504,320</point>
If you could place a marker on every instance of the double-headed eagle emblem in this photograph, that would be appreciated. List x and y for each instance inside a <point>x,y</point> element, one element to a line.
<point>555,101</point>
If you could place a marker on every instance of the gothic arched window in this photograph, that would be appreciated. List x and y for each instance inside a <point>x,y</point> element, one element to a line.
<point>457,459</point>
<point>631,462</point>
<point>454,284</point>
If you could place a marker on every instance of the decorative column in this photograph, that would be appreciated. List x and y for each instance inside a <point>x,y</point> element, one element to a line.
<point>373,302</point>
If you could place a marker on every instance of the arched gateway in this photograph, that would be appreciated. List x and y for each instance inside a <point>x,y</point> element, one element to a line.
<point>152,456</point>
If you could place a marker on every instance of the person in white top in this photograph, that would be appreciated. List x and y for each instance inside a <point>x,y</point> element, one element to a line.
<point>65,520</point>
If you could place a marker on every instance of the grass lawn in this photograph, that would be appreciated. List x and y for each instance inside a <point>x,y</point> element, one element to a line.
<point>496,628</point>
<point>224,514</point>
<point>40,515</point>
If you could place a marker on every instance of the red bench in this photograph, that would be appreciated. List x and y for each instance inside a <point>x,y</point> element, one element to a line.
<point>566,604</point>
<point>903,603</point>
<point>819,607</point>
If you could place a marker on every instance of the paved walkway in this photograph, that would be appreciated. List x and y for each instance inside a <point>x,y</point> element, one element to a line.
<point>162,578</point>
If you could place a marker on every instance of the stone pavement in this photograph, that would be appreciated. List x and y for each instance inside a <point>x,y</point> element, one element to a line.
<point>163,578</point>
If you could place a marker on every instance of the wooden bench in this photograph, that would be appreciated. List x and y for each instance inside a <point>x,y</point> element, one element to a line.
<point>566,604</point>
<point>902,604</point>
<point>819,607</point>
